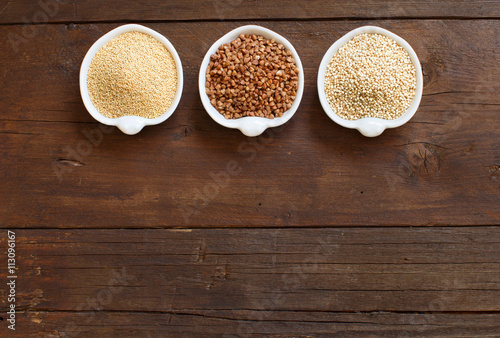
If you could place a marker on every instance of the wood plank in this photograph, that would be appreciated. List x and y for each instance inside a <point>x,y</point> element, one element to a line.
<point>358,269</point>
<point>22,11</point>
<point>427,281</point>
<point>442,168</point>
<point>243,323</point>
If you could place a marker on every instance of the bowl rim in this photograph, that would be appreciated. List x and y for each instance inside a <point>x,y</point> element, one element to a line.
<point>370,126</point>
<point>250,125</point>
<point>125,122</point>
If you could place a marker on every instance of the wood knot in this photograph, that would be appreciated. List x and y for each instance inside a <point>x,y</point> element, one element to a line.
<point>423,158</point>
<point>220,273</point>
<point>200,257</point>
<point>469,149</point>
<point>431,69</point>
<point>69,162</point>
<point>182,132</point>
<point>66,66</point>
<point>495,173</point>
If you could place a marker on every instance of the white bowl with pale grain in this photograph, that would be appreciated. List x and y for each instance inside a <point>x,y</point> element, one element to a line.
<point>130,124</point>
<point>370,126</point>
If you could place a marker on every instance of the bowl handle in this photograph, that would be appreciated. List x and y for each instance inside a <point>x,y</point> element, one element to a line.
<point>371,128</point>
<point>131,125</point>
<point>253,129</point>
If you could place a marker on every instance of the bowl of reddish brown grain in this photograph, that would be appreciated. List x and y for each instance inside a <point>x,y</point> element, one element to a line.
<point>370,80</point>
<point>251,79</point>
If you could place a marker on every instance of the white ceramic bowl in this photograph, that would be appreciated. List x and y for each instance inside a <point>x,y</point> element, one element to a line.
<point>370,126</point>
<point>250,125</point>
<point>128,124</point>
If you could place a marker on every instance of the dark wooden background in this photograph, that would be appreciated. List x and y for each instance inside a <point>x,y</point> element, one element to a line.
<point>322,232</point>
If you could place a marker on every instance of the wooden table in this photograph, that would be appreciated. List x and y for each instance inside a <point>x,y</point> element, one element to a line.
<point>321,232</point>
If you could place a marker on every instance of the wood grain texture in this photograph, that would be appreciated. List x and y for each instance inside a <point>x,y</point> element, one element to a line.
<point>439,169</point>
<point>22,11</point>
<point>320,232</point>
<point>319,282</point>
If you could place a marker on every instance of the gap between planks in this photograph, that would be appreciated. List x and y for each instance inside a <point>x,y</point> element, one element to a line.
<point>319,19</point>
